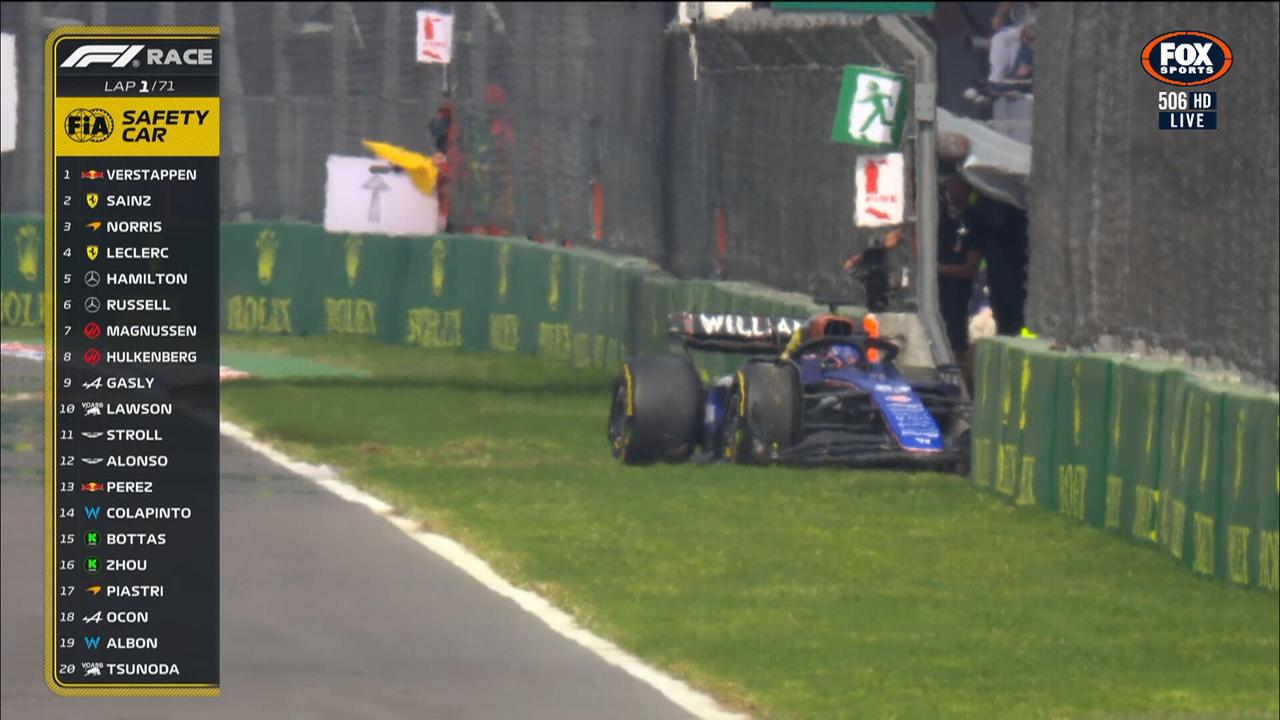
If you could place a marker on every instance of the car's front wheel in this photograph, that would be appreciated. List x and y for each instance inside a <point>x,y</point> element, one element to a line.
<point>656,410</point>
<point>763,413</point>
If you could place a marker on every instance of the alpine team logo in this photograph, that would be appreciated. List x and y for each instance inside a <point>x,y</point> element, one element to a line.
<point>1186,57</point>
<point>117,56</point>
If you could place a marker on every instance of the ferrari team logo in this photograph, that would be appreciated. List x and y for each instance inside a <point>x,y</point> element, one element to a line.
<point>91,251</point>
<point>92,199</point>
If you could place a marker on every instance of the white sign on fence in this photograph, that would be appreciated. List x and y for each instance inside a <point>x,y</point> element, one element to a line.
<point>435,36</point>
<point>880,198</point>
<point>8,94</point>
<point>366,195</point>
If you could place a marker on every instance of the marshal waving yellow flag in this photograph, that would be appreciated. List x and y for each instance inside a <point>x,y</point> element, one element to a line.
<point>421,169</point>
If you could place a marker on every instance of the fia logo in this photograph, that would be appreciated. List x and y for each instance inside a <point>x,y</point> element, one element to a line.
<point>89,125</point>
<point>1186,57</point>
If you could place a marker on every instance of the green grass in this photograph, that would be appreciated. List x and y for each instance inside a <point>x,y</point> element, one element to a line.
<point>787,593</point>
<point>12,333</point>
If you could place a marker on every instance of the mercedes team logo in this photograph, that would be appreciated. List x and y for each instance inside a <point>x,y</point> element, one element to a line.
<point>91,304</point>
<point>91,278</point>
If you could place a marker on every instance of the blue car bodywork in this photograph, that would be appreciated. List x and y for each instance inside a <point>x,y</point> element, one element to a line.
<point>857,408</point>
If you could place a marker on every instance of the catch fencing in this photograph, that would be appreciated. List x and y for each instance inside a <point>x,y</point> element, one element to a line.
<point>1142,239</point>
<point>300,81</point>
<point>705,149</point>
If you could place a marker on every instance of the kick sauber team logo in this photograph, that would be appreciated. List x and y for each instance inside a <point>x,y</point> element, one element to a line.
<point>93,125</point>
<point>1186,57</point>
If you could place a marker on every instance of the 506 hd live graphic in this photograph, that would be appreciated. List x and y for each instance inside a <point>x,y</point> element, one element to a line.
<point>1185,59</point>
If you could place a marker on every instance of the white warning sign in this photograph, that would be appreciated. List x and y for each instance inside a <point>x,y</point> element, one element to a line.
<point>880,198</point>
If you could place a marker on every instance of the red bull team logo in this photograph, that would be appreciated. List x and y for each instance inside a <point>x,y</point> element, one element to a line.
<point>1186,58</point>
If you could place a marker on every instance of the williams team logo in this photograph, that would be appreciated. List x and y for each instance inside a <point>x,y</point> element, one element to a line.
<point>92,125</point>
<point>1186,57</point>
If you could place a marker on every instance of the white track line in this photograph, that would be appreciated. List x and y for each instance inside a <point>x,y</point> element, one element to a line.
<point>677,691</point>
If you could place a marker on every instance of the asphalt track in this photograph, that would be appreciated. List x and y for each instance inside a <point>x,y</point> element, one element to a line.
<point>328,611</point>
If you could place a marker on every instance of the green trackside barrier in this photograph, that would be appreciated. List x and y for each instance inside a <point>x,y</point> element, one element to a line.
<point>1202,474</point>
<point>1175,434</point>
<point>21,271</point>
<point>1038,479</point>
<point>1080,439</point>
<point>441,290</point>
<point>272,279</point>
<point>1025,397</point>
<point>1250,486</point>
<point>1134,447</point>
<point>987,413</point>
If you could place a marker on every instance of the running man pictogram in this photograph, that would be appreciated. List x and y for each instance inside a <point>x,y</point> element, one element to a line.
<point>878,102</point>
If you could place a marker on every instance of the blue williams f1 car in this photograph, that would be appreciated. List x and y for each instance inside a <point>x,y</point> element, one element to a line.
<point>816,391</point>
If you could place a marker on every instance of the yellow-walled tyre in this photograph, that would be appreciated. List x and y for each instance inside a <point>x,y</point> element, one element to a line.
<point>763,413</point>
<point>656,410</point>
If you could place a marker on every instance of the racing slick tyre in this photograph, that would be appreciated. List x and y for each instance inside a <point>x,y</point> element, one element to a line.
<point>657,409</point>
<point>762,414</point>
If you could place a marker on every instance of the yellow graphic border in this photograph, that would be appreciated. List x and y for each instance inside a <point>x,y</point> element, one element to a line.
<point>193,32</point>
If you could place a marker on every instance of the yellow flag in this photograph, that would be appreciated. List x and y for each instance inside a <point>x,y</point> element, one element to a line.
<point>421,169</point>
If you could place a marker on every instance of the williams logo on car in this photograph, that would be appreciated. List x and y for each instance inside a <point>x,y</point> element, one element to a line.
<point>1186,57</point>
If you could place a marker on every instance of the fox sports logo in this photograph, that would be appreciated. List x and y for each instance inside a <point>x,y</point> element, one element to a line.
<point>1186,57</point>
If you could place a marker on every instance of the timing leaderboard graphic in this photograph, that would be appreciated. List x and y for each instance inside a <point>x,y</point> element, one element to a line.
<point>131,376</point>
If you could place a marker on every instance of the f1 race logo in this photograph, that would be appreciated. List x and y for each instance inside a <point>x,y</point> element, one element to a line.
<point>116,56</point>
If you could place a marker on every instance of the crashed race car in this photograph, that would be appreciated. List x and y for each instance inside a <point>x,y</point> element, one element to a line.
<point>818,391</point>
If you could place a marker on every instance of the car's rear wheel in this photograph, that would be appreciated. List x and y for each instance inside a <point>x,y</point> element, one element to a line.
<point>656,412</point>
<point>763,413</point>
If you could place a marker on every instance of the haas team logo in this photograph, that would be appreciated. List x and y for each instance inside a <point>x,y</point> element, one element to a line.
<point>1186,57</point>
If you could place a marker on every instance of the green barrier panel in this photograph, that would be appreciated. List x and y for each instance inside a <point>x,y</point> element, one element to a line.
<point>366,279</point>
<point>1024,452</point>
<point>1037,473</point>
<point>1250,488</point>
<point>1200,464</point>
<point>476,277</point>
<point>1133,457</point>
<point>503,307</point>
<point>433,274</point>
<point>987,421</point>
<point>1268,494</point>
<point>1080,437</point>
<point>537,288</point>
<point>271,278</point>
<point>1015,370</point>
<point>1175,435</point>
<point>21,271</point>
<point>1013,365</point>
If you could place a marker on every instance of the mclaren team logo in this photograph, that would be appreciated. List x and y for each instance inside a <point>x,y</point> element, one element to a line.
<point>89,125</point>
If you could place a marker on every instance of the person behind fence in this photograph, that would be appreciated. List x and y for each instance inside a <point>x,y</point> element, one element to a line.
<point>1011,23</point>
<point>959,253</point>
<point>1014,70</point>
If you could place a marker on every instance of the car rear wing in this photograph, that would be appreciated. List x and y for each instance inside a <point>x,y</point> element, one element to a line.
<point>732,333</point>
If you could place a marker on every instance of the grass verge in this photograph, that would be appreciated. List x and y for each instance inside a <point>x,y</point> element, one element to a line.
<point>788,593</point>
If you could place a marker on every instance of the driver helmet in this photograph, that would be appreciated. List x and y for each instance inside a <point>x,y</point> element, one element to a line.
<point>841,355</point>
